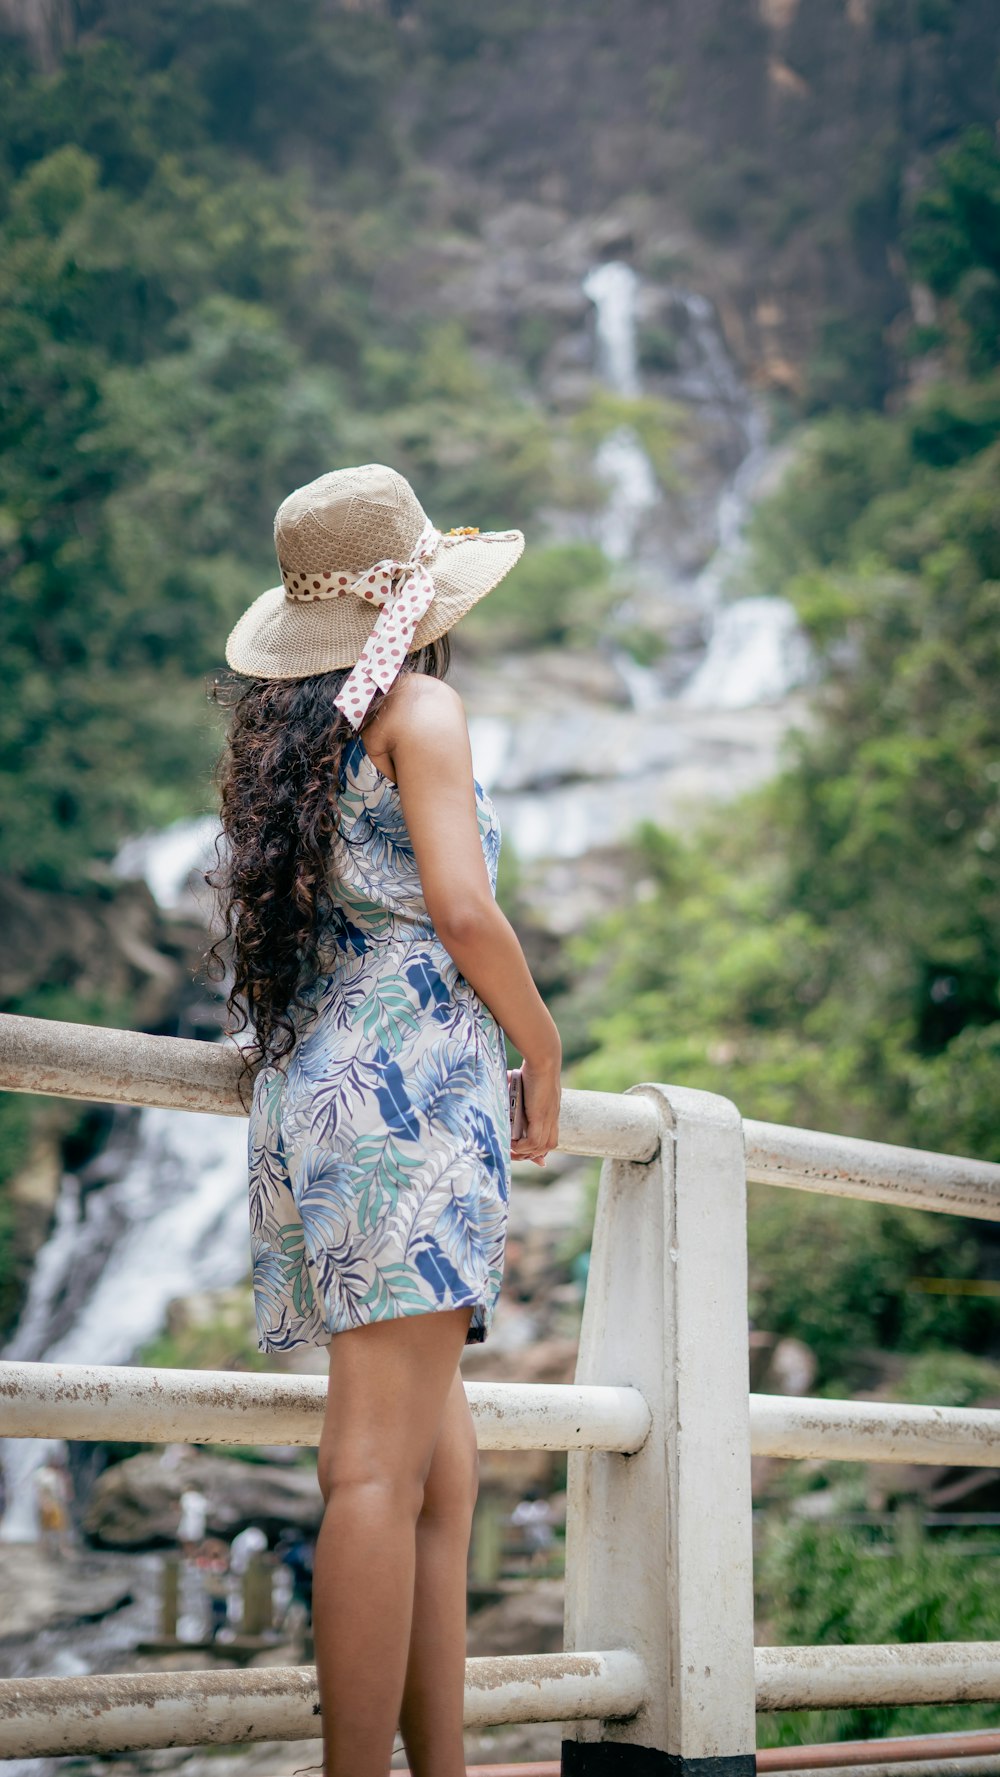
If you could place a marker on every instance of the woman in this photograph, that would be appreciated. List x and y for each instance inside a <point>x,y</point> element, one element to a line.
<point>379,976</point>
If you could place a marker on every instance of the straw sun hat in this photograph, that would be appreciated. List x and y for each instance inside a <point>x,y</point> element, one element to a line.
<point>366,578</point>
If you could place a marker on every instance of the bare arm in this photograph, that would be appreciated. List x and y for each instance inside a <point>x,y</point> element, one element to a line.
<point>427,739</point>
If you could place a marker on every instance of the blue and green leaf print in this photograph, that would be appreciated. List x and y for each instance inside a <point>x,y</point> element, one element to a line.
<point>394,1290</point>
<point>440,1085</point>
<point>388,1013</point>
<point>380,1154</point>
<point>398,1114</point>
<point>486,1137</point>
<point>458,1233</point>
<point>437,1270</point>
<point>430,985</point>
<point>325,1189</point>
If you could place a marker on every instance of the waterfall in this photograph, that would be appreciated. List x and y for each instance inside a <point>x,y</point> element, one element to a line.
<point>173,863</point>
<point>169,1216</point>
<point>620,460</point>
<point>756,652</point>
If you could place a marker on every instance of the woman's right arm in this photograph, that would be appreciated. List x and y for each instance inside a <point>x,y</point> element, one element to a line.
<point>427,737</point>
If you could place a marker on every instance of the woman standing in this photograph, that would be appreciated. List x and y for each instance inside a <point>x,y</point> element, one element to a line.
<point>378,975</point>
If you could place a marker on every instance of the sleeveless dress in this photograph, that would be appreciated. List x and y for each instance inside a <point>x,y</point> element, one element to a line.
<point>380,1149</point>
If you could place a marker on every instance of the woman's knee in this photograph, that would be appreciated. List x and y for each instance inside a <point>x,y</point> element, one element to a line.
<point>452,1485</point>
<point>373,1484</point>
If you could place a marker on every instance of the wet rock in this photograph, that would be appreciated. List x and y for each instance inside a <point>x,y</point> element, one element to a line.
<point>527,1621</point>
<point>136,1503</point>
<point>112,944</point>
<point>41,1590</point>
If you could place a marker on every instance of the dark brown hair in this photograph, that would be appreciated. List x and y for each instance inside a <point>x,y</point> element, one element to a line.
<point>277,779</point>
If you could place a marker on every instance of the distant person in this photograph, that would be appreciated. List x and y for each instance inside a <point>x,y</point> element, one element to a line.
<point>244,1546</point>
<point>296,1551</point>
<point>378,977</point>
<point>212,1561</point>
<point>192,1523</point>
<point>53,1503</point>
<point>533,1517</point>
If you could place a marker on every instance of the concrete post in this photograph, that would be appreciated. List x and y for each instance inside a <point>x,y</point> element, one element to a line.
<point>170,1583</point>
<point>658,1544</point>
<point>258,1609</point>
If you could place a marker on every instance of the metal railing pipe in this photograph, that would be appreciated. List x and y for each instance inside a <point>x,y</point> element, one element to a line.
<point>50,1717</point>
<point>809,1160</point>
<point>983,1764</point>
<point>874,1431</point>
<point>866,1677</point>
<point>935,1752</point>
<point>43,1400</point>
<point>128,1067</point>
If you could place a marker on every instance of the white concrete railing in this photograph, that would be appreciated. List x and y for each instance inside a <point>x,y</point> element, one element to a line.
<point>128,1067</point>
<point>659,1426</point>
<point>129,1712</point>
<point>234,1407</point>
<point>226,1407</point>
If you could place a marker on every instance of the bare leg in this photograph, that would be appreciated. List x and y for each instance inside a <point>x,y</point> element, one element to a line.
<point>431,1715</point>
<point>389,1383</point>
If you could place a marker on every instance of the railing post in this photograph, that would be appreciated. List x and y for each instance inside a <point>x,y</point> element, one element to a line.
<point>658,1544</point>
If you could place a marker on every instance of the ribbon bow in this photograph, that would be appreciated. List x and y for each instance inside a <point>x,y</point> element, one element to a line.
<point>404,589</point>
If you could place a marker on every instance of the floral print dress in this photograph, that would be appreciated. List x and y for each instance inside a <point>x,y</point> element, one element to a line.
<point>380,1149</point>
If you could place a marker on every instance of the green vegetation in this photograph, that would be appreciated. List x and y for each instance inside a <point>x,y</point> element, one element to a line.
<point>557,596</point>
<point>186,335</point>
<point>954,243</point>
<point>218,1333</point>
<point>826,1583</point>
<point>828,954</point>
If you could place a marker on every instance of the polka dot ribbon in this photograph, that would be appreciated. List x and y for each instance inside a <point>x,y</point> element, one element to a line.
<point>404,589</point>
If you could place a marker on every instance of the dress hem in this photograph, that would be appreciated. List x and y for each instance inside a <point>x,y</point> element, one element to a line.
<point>477,1333</point>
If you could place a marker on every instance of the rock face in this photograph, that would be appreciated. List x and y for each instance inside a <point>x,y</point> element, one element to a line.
<point>528,1621</point>
<point>110,945</point>
<point>40,1591</point>
<point>136,1504</point>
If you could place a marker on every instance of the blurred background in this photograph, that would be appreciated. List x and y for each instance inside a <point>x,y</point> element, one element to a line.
<point>704,295</point>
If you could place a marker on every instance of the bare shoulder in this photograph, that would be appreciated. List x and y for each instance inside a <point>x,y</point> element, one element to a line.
<point>423,711</point>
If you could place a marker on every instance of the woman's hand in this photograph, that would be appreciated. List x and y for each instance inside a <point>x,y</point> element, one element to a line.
<point>542,1098</point>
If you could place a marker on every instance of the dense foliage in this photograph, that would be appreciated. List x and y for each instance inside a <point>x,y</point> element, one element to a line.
<point>185,336</point>
<point>866,1585</point>
<point>829,955</point>
<point>832,954</point>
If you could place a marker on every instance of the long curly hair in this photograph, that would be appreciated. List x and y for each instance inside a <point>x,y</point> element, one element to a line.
<point>277,780</point>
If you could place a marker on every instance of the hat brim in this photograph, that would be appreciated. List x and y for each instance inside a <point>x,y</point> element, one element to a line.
<point>282,638</point>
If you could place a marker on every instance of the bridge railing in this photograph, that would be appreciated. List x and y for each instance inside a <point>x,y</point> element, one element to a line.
<point>660,1671</point>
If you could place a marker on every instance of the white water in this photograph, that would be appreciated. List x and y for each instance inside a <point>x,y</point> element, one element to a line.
<point>620,460</point>
<point>175,1221</point>
<point>173,863</point>
<point>756,652</point>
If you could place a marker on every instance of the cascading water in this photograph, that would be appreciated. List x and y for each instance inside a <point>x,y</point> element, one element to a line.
<point>170,1219</point>
<point>173,863</point>
<point>621,462</point>
<point>705,719</point>
<point>756,652</point>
